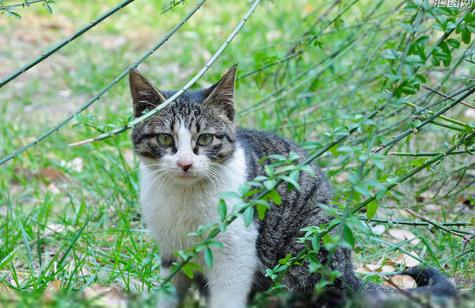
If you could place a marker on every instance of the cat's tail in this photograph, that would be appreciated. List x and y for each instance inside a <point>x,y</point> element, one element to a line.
<point>430,281</point>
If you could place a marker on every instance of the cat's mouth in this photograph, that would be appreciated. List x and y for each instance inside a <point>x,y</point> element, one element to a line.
<point>186,176</point>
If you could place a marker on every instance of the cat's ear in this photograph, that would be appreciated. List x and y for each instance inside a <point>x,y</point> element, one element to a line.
<point>144,95</point>
<point>220,96</point>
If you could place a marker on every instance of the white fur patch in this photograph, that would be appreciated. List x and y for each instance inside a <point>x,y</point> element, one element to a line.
<point>172,210</point>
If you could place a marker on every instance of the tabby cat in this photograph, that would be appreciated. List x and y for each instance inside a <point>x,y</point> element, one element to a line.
<point>192,151</point>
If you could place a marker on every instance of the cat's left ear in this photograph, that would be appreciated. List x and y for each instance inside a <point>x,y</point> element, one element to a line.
<point>220,96</point>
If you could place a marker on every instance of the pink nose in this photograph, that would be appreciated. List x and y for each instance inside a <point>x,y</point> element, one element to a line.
<point>184,164</point>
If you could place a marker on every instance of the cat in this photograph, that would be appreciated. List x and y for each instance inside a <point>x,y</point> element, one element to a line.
<point>190,152</point>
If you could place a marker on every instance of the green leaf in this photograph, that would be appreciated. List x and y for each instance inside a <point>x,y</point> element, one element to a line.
<point>348,235</point>
<point>270,184</point>
<point>209,260</point>
<point>222,209</point>
<point>230,195</point>
<point>248,216</point>
<point>466,36</point>
<point>453,42</point>
<point>275,197</point>
<point>262,208</point>
<point>371,209</point>
<point>189,268</point>
<point>292,182</point>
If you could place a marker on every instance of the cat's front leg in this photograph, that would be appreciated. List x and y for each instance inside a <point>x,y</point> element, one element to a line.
<point>231,277</point>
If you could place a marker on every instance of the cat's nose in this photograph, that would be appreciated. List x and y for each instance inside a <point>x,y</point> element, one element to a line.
<point>184,164</point>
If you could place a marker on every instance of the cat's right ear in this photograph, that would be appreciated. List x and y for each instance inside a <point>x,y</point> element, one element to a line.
<point>144,95</point>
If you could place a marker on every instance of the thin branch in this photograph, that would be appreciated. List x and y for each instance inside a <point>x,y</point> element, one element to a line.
<point>104,90</point>
<point>169,100</point>
<point>417,223</point>
<point>428,154</point>
<point>20,4</point>
<point>63,43</point>
<point>446,96</point>
<point>424,123</point>
<point>435,224</point>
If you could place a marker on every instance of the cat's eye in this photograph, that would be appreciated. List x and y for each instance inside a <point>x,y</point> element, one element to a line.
<point>205,139</point>
<point>165,139</point>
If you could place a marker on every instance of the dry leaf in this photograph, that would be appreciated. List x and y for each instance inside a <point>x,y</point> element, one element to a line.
<point>407,261</point>
<point>402,281</point>
<point>361,269</point>
<point>105,297</point>
<point>49,174</point>
<point>373,267</point>
<point>401,234</point>
<point>388,268</point>
<point>378,229</point>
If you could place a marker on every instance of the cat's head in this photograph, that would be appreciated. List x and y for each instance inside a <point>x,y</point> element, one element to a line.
<point>190,139</point>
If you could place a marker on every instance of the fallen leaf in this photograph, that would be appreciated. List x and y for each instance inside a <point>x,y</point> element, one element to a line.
<point>388,268</point>
<point>401,234</point>
<point>378,229</point>
<point>49,174</point>
<point>105,297</point>
<point>402,281</point>
<point>407,261</point>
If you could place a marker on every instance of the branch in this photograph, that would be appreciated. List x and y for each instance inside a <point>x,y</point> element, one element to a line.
<point>426,154</point>
<point>424,123</point>
<point>104,90</point>
<point>446,96</point>
<point>62,43</point>
<point>433,223</point>
<point>417,223</point>
<point>167,102</point>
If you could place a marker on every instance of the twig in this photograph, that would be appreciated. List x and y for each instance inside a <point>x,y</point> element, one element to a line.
<point>21,4</point>
<point>179,92</point>
<point>433,223</point>
<point>419,126</point>
<point>446,96</point>
<point>425,154</point>
<point>416,223</point>
<point>101,92</point>
<point>63,43</point>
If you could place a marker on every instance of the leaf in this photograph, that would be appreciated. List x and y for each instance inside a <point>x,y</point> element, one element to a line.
<point>403,235</point>
<point>292,182</point>
<point>248,215</point>
<point>407,260</point>
<point>222,209</point>
<point>209,257</point>
<point>270,184</point>
<point>371,209</point>
<point>348,235</point>
<point>275,197</point>
<point>453,42</point>
<point>466,36</point>
<point>402,281</point>
<point>262,208</point>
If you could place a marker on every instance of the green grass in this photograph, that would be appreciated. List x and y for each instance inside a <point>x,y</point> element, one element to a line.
<point>71,214</point>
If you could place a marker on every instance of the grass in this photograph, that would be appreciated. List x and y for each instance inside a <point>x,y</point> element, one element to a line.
<point>69,216</point>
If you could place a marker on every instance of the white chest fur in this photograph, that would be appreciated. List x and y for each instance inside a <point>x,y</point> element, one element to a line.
<point>171,211</point>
